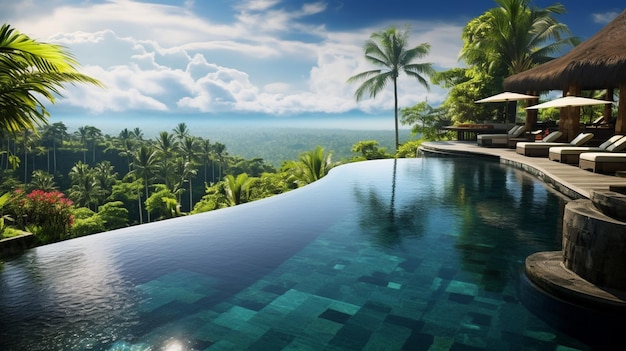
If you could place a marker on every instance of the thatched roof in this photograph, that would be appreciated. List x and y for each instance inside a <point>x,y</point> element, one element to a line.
<point>597,63</point>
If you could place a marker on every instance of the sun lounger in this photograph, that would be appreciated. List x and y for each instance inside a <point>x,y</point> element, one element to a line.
<point>542,149</point>
<point>571,154</point>
<point>500,139</point>
<point>603,162</point>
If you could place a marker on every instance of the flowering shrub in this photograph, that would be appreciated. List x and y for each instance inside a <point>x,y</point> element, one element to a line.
<point>47,213</point>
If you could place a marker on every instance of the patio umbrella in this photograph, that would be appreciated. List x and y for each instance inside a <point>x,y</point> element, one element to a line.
<point>505,97</point>
<point>569,101</point>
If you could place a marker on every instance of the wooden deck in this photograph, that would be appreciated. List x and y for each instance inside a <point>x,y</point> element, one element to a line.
<point>570,180</point>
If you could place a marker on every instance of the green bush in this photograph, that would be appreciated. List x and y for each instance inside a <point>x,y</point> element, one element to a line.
<point>114,215</point>
<point>85,224</point>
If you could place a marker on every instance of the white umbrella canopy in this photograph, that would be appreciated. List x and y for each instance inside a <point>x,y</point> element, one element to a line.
<point>506,96</point>
<point>569,101</point>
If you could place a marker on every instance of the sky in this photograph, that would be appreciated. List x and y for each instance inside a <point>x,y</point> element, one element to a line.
<point>276,62</point>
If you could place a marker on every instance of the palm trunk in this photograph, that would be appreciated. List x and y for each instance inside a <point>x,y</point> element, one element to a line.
<point>395,110</point>
<point>147,212</point>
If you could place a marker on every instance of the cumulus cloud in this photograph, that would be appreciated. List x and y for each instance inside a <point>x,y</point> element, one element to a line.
<point>604,18</point>
<point>155,57</point>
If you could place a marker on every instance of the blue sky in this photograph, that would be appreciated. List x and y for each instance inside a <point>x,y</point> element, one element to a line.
<point>224,59</point>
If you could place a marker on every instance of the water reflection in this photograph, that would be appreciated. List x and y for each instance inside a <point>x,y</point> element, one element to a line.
<point>500,215</point>
<point>379,217</point>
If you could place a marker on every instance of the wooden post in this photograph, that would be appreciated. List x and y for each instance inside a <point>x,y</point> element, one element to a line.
<point>570,115</point>
<point>608,108</point>
<point>531,115</point>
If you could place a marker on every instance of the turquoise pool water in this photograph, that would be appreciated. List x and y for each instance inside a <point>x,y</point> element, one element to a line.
<point>418,254</point>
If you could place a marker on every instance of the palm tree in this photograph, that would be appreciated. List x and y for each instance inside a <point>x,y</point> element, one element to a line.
<point>138,134</point>
<point>188,147</point>
<point>85,189</point>
<point>181,131</point>
<point>311,166</point>
<point>93,136</point>
<point>237,188</point>
<point>166,146</point>
<point>56,133</point>
<point>219,151</point>
<point>126,144</point>
<point>144,166</point>
<point>515,36</point>
<point>30,70</point>
<point>29,142</point>
<point>388,50</point>
<point>43,181</point>
<point>106,176</point>
<point>206,150</point>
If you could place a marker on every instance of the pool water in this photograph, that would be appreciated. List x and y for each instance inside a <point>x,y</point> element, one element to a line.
<point>410,254</point>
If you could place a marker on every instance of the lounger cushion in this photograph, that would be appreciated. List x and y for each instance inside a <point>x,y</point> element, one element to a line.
<point>603,157</point>
<point>552,137</point>
<point>617,146</point>
<point>574,150</point>
<point>610,141</point>
<point>581,139</point>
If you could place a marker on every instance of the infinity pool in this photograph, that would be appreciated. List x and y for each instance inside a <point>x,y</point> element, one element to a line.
<point>413,254</point>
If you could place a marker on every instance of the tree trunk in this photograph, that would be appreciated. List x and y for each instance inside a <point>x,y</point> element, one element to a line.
<point>395,110</point>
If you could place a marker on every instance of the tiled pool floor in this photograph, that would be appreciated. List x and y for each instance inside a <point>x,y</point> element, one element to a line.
<point>343,293</point>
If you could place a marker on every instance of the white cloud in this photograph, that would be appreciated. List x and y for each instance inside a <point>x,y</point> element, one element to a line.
<point>604,18</point>
<point>166,58</point>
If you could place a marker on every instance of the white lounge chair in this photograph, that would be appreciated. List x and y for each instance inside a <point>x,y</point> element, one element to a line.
<point>542,149</point>
<point>603,162</point>
<point>500,139</point>
<point>571,154</point>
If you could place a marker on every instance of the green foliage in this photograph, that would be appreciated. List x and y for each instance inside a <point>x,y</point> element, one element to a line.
<point>426,120</point>
<point>49,214</point>
<point>4,218</point>
<point>213,199</point>
<point>43,181</point>
<point>409,149</point>
<point>505,40</point>
<point>86,222</point>
<point>237,189</point>
<point>114,215</point>
<point>30,70</point>
<point>369,150</point>
<point>269,184</point>
<point>162,203</point>
<point>311,166</point>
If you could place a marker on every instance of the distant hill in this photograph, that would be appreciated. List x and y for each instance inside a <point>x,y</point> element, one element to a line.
<point>275,145</point>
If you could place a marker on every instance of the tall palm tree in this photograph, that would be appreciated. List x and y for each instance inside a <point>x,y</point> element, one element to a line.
<point>85,189</point>
<point>181,131</point>
<point>166,147</point>
<point>219,151</point>
<point>56,133</point>
<point>125,145</point>
<point>93,136</point>
<point>145,165</point>
<point>106,176</point>
<point>206,151</point>
<point>138,134</point>
<point>189,148</point>
<point>515,36</point>
<point>30,70</point>
<point>389,50</point>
